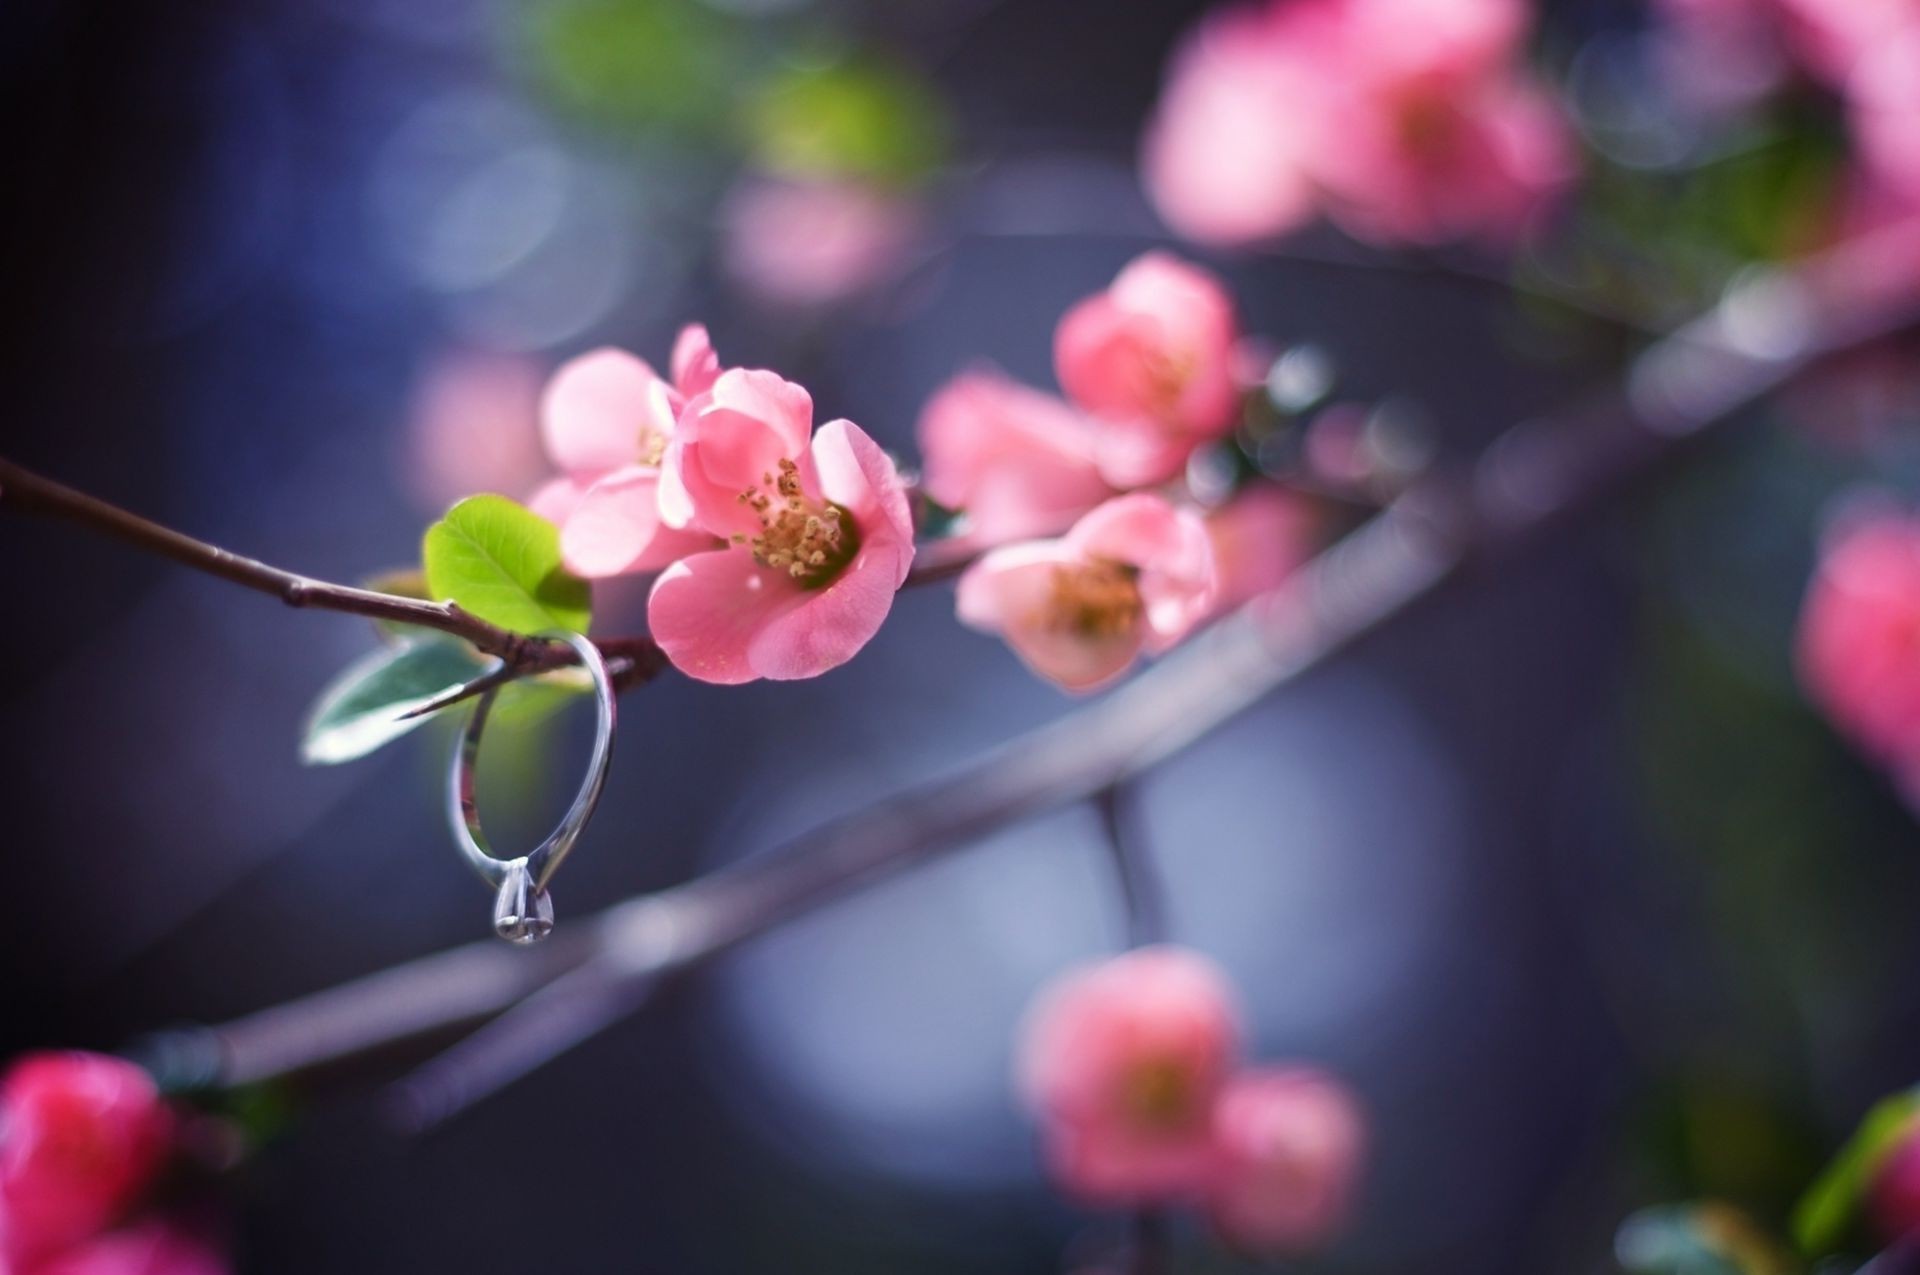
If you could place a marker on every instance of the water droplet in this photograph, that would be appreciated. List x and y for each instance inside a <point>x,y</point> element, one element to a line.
<point>522,914</point>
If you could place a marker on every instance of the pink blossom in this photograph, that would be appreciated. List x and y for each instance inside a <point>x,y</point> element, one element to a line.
<point>1122,1062</point>
<point>1134,575</point>
<point>1153,357</point>
<point>1289,1143</point>
<point>1225,156</point>
<point>815,243</point>
<point>1017,461</point>
<point>1884,93</point>
<point>473,426</point>
<point>81,1135</point>
<point>1859,639</point>
<point>607,417</point>
<point>1260,538</point>
<point>818,529</point>
<point>152,1248</point>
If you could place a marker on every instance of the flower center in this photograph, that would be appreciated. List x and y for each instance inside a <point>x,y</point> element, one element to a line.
<point>1097,599</point>
<point>653,447</point>
<point>1159,1094</point>
<point>811,540</point>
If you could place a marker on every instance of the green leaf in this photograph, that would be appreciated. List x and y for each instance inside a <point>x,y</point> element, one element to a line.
<point>361,709</point>
<point>501,562</point>
<point>859,117</point>
<point>1827,1211</point>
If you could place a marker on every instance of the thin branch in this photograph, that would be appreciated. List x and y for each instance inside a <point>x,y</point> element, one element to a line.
<point>1536,475</point>
<point>1133,864</point>
<point>28,492</point>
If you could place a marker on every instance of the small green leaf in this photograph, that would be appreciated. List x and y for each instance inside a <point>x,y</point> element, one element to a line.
<point>361,709</point>
<point>501,562</point>
<point>1827,1211</point>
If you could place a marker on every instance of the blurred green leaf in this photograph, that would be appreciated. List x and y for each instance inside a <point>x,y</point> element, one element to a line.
<point>643,64</point>
<point>361,709</point>
<point>855,117</point>
<point>1696,1239</point>
<point>1827,1211</point>
<point>501,562</point>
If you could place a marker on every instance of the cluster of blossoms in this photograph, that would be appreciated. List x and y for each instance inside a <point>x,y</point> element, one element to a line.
<point>1132,1068</point>
<point>83,1140</point>
<point>1402,120</point>
<point>779,548</point>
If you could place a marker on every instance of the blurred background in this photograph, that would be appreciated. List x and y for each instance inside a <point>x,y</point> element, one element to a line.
<point>1559,870</point>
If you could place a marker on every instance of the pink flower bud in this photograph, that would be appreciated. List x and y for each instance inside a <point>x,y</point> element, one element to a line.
<point>1859,640</point>
<point>1289,1143</point>
<point>81,1136</point>
<point>1153,357</point>
<point>1122,1063</point>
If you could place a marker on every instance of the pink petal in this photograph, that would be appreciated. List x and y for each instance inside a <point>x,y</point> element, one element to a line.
<point>595,409</point>
<point>1174,554</point>
<point>1138,452</point>
<point>830,625</point>
<point>854,473</point>
<point>695,365</point>
<point>557,498</point>
<point>615,528</point>
<point>769,398</point>
<point>1019,462</point>
<point>708,610</point>
<point>729,442</point>
<point>1010,591</point>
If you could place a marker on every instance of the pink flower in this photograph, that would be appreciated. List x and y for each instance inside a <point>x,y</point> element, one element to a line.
<point>472,426</point>
<point>153,1248</point>
<point>820,536</point>
<point>1289,1143</point>
<point>815,243</point>
<point>1153,357</point>
<point>1225,155</point>
<point>607,417</point>
<point>1260,538</point>
<point>81,1135</point>
<point>1884,93</point>
<point>1859,640</point>
<point>1122,1063</point>
<point>1018,462</point>
<point>1134,575</point>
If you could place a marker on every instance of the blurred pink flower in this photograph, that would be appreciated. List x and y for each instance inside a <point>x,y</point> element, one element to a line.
<point>607,417</point>
<point>1884,93</point>
<point>473,426</point>
<point>820,536</point>
<point>1260,538</point>
<point>1017,461</point>
<point>1893,1190</point>
<point>815,243</point>
<point>81,1136</point>
<point>1289,1143</point>
<point>152,1248</point>
<point>1859,640</point>
<point>1225,156</point>
<point>1405,120</point>
<point>1134,575</point>
<point>1153,358</point>
<point>1122,1062</point>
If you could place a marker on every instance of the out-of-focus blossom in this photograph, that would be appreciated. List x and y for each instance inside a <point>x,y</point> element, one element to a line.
<point>473,426</point>
<point>1407,120</point>
<point>81,1136</point>
<point>1859,640</point>
<point>1884,92</point>
<point>1289,1143</point>
<point>1226,154</point>
<point>1017,461</point>
<point>818,529</point>
<point>1134,575</point>
<point>152,1248</point>
<point>1122,1063</point>
<point>1893,1191</point>
<point>1153,358</point>
<point>1260,537</point>
<point>816,243</point>
<point>607,417</point>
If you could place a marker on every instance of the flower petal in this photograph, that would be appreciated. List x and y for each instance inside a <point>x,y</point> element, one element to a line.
<point>856,474</point>
<point>1010,592</point>
<point>707,611</point>
<point>595,409</point>
<point>830,625</point>
<point>695,366</point>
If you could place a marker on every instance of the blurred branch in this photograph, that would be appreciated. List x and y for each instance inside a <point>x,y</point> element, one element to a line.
<point>28,492</point>
<point>1140,891</point>
<point>1445,526</point>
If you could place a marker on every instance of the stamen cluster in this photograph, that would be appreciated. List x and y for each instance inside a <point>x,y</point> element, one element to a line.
<point>811,541</point>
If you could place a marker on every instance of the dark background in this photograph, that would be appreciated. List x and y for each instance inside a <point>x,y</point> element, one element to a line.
<point>1556,870</point>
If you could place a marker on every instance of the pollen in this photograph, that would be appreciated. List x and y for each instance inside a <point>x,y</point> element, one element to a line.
<point>1098,599</point>
<point>812,541</point>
